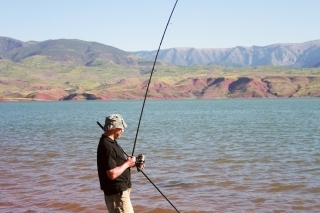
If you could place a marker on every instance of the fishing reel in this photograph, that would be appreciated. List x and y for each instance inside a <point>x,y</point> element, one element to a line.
<point>140,162</point>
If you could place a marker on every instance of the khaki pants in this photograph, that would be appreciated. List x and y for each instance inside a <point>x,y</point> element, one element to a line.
<point>119,203</point>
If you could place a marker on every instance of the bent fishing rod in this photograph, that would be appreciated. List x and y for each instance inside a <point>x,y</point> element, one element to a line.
<point>154,63</point>
<point>144,101</point>
<point>145,175</point>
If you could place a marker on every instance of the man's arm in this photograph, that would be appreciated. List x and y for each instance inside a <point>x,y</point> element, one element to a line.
<point>117,171</point>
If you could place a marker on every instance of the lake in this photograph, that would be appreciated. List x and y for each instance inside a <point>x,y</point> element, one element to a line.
<point>221,155</point>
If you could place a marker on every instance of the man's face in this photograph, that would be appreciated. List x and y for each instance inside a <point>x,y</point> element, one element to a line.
<point>117,133</point>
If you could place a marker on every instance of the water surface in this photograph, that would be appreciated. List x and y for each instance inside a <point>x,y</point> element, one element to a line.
<point>229,155</point>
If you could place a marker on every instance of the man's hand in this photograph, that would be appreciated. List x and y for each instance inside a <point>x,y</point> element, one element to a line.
<point>117,171</point>
<point>131,161</point>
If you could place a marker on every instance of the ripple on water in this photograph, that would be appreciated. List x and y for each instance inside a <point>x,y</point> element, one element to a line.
<point>280,187</point>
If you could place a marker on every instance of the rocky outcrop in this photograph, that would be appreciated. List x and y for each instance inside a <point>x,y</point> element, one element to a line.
<point>221,87</point>
<point>40,96</point>
<point>80,96</point>
<point>46,93</point>
<point>180,88</point>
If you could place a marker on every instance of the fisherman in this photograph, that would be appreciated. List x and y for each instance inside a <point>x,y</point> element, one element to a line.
<point>114,167</point>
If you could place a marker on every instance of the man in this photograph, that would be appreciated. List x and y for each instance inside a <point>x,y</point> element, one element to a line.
<point>114,167</point>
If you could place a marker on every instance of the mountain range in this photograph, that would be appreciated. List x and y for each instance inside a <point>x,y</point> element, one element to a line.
<point>291,55</point>
<point>294,55</point>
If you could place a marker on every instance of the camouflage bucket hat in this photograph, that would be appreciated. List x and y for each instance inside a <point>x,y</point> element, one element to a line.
<point>114,121</point>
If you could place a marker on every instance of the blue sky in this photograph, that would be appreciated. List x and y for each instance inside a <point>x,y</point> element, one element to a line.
<point>134,25</point>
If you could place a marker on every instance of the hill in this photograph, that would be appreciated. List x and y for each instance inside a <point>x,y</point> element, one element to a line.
<point>77,51</point>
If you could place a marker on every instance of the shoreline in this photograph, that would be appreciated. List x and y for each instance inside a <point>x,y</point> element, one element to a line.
<point>217,98</point>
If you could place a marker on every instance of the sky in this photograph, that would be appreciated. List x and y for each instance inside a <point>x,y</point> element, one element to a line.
<point>136,25</point>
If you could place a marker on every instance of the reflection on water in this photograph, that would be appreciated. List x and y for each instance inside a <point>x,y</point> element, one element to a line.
<point>258,155</point>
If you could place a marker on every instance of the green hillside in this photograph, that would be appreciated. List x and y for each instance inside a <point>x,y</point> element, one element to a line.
<point>57,68</point>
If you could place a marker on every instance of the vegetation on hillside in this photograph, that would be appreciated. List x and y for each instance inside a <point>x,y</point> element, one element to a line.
<point>38,74</point>
<point>71,69</point>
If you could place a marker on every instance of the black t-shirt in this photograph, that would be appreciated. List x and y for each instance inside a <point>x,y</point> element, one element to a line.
<point>109,156</point>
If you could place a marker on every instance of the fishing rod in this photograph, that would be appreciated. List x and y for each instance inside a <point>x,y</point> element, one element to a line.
<point>154,63</point>
<point>144,100</point>
<point>145,175</point>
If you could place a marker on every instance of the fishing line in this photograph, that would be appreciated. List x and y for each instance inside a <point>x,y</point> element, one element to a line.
<point>154,63</point>
<point>145,176</point>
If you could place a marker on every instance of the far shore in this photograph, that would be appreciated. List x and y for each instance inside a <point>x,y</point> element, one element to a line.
<point>43,100</point>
